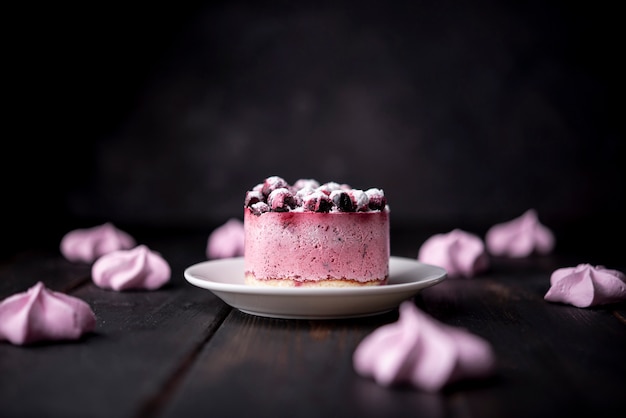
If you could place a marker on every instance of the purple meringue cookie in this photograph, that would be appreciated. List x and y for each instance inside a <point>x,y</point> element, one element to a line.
<point>40,314</point>
<point>520,237</point>
<point>86,245</point>
<point>226,241</point>
<point>460,253</point>
<point>422,352</point>
<point>585,285</point>
<point>139,268</point>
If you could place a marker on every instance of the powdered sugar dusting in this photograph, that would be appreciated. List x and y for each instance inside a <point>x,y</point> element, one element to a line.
<point>309,195</point>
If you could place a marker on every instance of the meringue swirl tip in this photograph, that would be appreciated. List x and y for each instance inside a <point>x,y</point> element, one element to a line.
<point>40,314</point>
<point>137,268</point>
<point>227,240</point>
<point>520,237</point>
<point>460,253</point>
<point>586,285</point>
<point>88,244</point>
<point>423,353</point>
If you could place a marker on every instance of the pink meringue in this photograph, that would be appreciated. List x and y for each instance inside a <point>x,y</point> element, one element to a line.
<point>139,268</point>
<point>585,285</point>
<point>460,253</point>
<point>520,237</point>
<point>86,245</point>
<point>422,352</point>
<point>40,314</point>
<point>226,241</point>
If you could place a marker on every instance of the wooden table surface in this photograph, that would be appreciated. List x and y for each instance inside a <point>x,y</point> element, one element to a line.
<point>181,352</point>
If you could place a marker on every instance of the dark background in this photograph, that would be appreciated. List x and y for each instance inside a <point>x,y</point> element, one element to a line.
<point>163,115</point>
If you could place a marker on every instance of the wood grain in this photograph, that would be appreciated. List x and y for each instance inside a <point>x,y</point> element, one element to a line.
<point>181,352</point>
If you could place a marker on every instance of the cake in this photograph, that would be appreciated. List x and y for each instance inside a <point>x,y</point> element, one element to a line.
<point>315,235</point>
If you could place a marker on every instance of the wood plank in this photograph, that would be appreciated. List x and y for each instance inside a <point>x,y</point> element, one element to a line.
<point>547,359</point>
<point>142,341</point>
<point>276,367</point>
<point>559,359</point>
<point>180,351</point>
<point>27,268</point>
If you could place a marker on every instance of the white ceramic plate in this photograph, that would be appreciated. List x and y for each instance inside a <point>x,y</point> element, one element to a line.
<point>225,278</point>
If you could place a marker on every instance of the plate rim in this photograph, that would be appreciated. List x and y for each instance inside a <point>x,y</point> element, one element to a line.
<point>438,275</point>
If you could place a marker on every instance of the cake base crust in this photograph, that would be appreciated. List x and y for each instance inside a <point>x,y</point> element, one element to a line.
<point>250,279</point>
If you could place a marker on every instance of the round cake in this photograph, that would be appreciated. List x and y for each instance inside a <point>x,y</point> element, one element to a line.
<point>312,234</point>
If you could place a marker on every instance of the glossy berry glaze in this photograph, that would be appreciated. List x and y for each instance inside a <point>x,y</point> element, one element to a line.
<point>327,235</point>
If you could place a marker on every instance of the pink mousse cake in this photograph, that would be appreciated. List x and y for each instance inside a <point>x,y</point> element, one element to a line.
<point>312,234</point>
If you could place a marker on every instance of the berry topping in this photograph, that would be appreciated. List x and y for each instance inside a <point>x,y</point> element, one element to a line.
<point>272,183</point>
<point>377,200</point>
<point>259,208</point>
<point>276,195</point>
<point>306,184</point>
<point>360,200</point>
<point>317,202</point>
<point>329,187</point>
<point>281,200</point>
<point>302,194</point>
<point>341,200</point>
<point>252,197</point>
